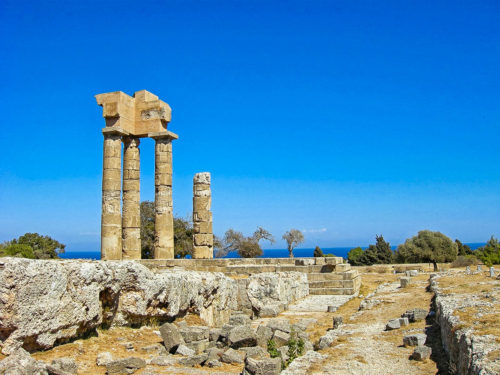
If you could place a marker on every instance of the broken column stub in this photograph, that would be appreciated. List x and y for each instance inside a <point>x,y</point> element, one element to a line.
<point>203,238</point>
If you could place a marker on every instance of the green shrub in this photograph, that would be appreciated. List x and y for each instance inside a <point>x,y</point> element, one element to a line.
<point>318,252</point>
<point>464,261</point>
<point>272,350</point>
<point>18,250</point>
<point>355,256</point>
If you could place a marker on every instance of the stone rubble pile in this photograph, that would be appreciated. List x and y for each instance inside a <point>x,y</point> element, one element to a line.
<point>234,343</point>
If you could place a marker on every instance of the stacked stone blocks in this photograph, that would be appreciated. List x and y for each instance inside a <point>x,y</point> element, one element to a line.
<point>111,220</point>
<point>203,239</point>
<point>131,217</point>
<point>164,229</point>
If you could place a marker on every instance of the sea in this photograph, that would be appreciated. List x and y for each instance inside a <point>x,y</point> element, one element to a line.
<point>267,253</point>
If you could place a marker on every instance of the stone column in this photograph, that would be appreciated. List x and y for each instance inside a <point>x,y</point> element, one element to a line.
<point>131,218</point>
<point>164,219</point>
<point>203,238</point>
<point>111,219</point>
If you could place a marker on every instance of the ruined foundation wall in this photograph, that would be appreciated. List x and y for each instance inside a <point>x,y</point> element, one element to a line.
<point>468,353</point>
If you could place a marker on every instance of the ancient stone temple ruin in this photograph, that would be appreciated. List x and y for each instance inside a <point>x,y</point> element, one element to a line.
<point>129,118</point>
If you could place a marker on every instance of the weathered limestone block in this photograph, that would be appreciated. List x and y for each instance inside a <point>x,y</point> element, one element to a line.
<point>421,353</point>
<point>43,302</point>
<point>276,289</point>
<point>264,366</point>
<point>171,336</point>
<point>203,239</point>
<point>242,336</point>
<point>164,219</point>
<point>111,231</point>
<point>21,362</point>
<point>417,339</point>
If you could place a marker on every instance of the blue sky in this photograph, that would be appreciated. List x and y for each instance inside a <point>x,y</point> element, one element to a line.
<point>344,119</point>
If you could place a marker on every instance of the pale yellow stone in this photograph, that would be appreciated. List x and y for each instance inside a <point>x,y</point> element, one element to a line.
<point>202,216</point>
<point>202,203</point>
<point>163,179</point>
<point>138,115</point>
<point>127,119</point>
<point>111,230</point>
<point>131,174</point>
<point>131,215</point>
<point>131,185</point>
<point>202,252</point>
<point>164,218</point>
<point>112,163</point>
<point>202,227</point>
<point>203,239</point>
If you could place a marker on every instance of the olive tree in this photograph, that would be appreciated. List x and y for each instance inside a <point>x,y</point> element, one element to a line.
<point>247,247</point>
<point>427,246</point>
<point>183,233</point>
<point>33,245</point>
<point>293,238</point>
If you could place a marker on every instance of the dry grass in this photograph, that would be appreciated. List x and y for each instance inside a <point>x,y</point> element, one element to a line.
<point>484,319</point>
<point>85,351</point>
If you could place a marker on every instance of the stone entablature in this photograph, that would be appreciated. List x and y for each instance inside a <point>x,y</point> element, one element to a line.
<point>129,118</point>
<point>138,115</point>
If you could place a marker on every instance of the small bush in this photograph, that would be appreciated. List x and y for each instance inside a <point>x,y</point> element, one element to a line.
<point>272,350</point>
<point>318,252</point>
<point>464,261</point>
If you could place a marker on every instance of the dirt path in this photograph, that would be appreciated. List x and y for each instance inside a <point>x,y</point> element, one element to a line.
<point>364,347</point>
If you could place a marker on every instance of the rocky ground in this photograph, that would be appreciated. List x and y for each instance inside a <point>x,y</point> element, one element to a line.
<point>386,329</point>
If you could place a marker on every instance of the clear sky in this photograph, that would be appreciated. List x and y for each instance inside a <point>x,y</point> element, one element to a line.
<point>344,119</point>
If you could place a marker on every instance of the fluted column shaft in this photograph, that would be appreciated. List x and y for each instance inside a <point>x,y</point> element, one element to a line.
<point>164,219</point>
<point>131,215</point>
<point>203,238</point>
<point>111,220</point>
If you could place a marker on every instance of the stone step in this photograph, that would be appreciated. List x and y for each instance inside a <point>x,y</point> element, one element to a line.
<point>332,284</point>
<point>342,267</point>
<point>331,291</point>
<point>319,276</point>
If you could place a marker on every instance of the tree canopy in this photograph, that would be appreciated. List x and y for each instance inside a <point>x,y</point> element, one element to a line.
<point>380,253</point>
<point>34,246</point>
<point>463,250</point>
<point>293,238</point>
<point>183,233</point>
<point>427,246</point>
<point>355,256</point>
<point>247,247</point>
<point>489,254</point>
<point>318,252</point>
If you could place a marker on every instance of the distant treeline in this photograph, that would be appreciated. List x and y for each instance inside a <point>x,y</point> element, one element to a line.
<point>425,247</point>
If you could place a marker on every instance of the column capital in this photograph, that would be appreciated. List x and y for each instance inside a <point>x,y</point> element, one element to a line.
<point>114,131</point>
<point>131,141</point>
<point>163,135</point>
